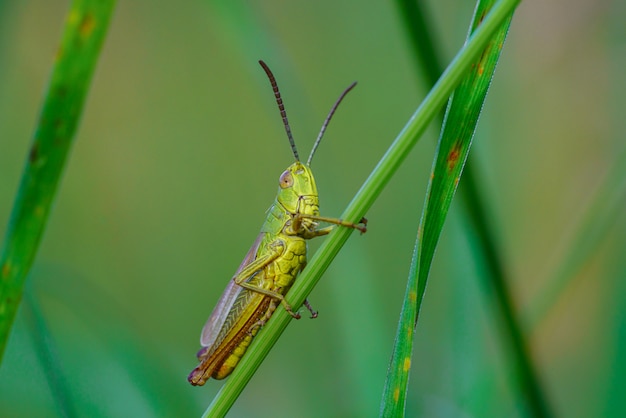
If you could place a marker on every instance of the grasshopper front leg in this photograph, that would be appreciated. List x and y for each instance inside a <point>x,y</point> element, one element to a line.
<point>298,217</point>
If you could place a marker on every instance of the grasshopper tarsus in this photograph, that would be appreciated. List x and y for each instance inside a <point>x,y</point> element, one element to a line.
<point>294,315</point>
<point>362,225</point>
<point>310,308</point>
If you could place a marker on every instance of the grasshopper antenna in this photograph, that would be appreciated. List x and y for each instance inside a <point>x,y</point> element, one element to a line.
<point>281,107</point>
<point>326,121</point>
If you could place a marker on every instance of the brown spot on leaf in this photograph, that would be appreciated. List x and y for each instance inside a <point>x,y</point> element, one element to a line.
<point>34,153</point>
<point>482,17</point>
<point>87,25</point>
<point>453,156</point>
<point>483,56</point>
<point>6,269</point>
<point>61,91</point>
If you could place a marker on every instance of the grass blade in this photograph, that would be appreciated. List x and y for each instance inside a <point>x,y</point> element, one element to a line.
<point>474,205</point>
<point>85,29</point>
<point>600,216</point>
<point>357,208</point>
<point>452,152</point>
<point>421,36</point>
<point>46,350</point>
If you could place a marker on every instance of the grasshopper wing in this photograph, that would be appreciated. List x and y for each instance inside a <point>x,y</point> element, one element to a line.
<point>212,333</point>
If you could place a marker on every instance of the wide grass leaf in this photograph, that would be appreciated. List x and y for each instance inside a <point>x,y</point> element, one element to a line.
<point>452,151</point>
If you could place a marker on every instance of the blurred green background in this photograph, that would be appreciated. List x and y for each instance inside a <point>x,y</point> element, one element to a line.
<point>177,159</point>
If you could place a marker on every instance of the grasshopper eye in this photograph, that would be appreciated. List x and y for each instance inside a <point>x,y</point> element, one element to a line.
<point>286,180</point>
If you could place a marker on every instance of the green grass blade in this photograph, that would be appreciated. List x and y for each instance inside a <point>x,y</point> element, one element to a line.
<point>615,403</point>
<point>453,148</point>
<point>421,37</point>
<point>473,203</point>
<point>516,346</point>
<point>85,29</point>
<point>494,272</point>
<point>358,207</point>
<point>452,152</point>
<point>48,359</point>
<point>598,219</point>
<point>394,394</point>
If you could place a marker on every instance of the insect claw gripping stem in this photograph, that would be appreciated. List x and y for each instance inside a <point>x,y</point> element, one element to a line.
<point>363,228</point>
<point>308,306</point>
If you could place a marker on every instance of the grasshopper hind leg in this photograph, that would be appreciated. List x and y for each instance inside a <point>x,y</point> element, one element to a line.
<point>307,304</point>
<point>270,311</point>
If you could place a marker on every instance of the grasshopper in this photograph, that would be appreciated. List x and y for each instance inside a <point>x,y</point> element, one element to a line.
<point>271,265</point>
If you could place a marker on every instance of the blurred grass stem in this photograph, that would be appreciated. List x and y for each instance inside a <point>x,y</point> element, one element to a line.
<point>85,29</point>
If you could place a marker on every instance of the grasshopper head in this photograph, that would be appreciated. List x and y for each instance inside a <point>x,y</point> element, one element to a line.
<point>297,191</point>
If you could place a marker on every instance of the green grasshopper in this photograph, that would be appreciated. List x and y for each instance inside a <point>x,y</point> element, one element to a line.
<point>271,265</point>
